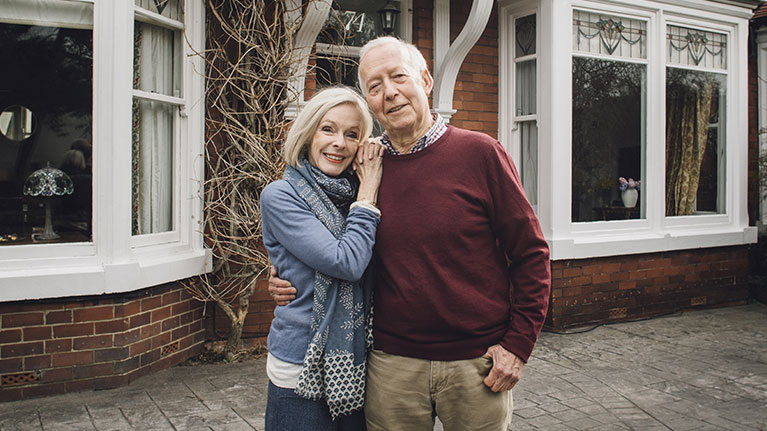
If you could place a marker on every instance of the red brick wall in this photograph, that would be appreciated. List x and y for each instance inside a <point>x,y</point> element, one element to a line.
<point>54,346</point>
<point>587,291</point>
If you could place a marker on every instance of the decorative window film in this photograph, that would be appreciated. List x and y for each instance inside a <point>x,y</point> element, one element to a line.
<point>46,122</point>
<point>157,98</point>
<point>696,48</point>
<point>168,8</point>
<point>524,36</point>
<point>601,34</point>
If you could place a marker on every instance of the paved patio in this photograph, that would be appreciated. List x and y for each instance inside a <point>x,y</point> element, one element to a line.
<point>696,370</point>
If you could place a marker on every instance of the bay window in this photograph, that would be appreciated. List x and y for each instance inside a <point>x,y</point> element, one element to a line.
<point>643,90</point>
<point>101,143</point>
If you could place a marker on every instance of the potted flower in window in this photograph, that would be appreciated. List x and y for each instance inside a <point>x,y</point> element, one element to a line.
<point>629,193</point>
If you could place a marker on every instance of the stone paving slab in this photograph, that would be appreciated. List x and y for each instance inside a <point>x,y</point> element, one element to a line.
<point>696,370</point>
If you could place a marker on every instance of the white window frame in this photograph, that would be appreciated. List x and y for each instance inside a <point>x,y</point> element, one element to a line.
<point>116,261</point>
<point>655,232</point>
<point>509,133</point>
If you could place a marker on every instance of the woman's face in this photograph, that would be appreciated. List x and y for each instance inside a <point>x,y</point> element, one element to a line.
<point>335,141</point>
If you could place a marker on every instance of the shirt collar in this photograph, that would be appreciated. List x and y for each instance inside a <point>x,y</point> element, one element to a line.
<point>435,132</point>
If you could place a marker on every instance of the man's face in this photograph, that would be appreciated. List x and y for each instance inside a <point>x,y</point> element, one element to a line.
<point>396,94</point>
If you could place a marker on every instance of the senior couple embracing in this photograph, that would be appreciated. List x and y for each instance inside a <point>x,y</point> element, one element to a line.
<point>411,273</point>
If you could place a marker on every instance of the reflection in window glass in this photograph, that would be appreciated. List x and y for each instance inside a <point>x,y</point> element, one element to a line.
<point>336,70</point>
<point>526,88</point>
<point>528,165</point>
<point>695,142</point>
<point>46,105</point>
<point>352,23</point>
<point>608,119</point>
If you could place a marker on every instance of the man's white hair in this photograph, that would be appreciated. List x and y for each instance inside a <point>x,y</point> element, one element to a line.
<point>414,60</point>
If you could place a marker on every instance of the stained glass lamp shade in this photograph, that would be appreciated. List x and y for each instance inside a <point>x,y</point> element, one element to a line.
<point>48,182</point>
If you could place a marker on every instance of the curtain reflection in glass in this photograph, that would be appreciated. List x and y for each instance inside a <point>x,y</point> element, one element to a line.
<point>694,141</point>
<point>526,85</point>
<point>529,161</point>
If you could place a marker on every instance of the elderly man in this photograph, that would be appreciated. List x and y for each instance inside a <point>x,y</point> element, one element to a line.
<point>462,268</point>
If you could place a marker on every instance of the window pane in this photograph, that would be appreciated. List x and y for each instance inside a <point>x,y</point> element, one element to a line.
<point>526,85</point>
<point>608,124</point>
<point>529,161</point>
<point>336,70</point>
<point>168,8</point>
<point>596,33</point>
<point>46,105</point>
<point>354,23</point>
<point>696,48</point>
<point>524,36</point>
<point>152,166</point>
<point>157,60</point>
<point>695,142</point>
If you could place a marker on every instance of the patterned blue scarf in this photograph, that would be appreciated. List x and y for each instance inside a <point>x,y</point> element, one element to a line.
<point>341,330</point>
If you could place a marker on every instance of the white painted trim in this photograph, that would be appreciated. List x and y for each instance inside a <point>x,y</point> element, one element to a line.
<point>96,279</point>
<point>446,74</point>
<point>158,97</point>
<point>615,244</point>
<point>149,17</point>
<point>441,39</point>
<point>406,20</point>
<point>315,16</point>
<point>338,50</point>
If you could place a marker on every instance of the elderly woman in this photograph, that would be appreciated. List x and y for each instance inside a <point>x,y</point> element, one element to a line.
<point>319,226</point>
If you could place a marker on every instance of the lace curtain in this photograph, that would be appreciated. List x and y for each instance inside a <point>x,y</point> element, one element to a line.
<point>153,130</point>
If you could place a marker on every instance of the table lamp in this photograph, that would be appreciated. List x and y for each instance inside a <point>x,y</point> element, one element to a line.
<point>48,182</point>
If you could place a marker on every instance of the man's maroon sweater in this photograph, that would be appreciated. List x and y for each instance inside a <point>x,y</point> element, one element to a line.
<point>452,215</point>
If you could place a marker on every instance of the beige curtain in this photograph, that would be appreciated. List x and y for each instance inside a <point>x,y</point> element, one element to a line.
<point>688,110</point>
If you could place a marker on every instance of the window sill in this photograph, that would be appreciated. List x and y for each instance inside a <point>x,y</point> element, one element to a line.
<point>77,277</point>
<point>635,242</point>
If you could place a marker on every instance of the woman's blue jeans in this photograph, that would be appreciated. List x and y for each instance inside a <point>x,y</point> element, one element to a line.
<point>286,411</point>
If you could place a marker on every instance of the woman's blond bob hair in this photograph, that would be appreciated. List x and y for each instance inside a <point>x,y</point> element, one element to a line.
<point>301,132</point>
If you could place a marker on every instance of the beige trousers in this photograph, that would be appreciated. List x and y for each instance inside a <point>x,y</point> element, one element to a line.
<point>405,394</point>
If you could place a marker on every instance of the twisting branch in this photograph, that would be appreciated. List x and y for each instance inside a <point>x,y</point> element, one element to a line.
<point>250,57</point>
<point>248,60</point>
